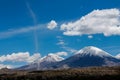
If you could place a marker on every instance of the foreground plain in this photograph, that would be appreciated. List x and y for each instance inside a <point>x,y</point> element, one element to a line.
<point>90,73</point>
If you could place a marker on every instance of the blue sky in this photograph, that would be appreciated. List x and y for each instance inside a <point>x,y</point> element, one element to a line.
<point>17,26</point>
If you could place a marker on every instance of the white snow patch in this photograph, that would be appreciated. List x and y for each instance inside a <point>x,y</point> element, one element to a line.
<point>93,51</point>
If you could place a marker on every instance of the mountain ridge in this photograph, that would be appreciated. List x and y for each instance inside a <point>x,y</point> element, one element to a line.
<point>86,57</point>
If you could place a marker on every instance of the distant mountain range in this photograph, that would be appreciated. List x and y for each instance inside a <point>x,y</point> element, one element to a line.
<point>86,57</point>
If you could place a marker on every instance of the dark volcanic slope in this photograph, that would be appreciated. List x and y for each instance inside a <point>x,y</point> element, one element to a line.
<point>89,56</point>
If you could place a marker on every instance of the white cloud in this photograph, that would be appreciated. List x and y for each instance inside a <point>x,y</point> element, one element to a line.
<point>71,50</point>
<point>13,32</point>
<point>33,57</point>
<point>118,56</point>
<point>61,42</point>
<point>58,55</point>
<point>19,57</point>
<point>106,21</point>
<point>64,46</point>
<point>5,66</point>
<point>90,36</point>
<point>61,53</point>
<point>52,24</point>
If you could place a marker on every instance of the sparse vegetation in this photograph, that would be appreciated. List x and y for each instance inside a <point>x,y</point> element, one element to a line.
<point>91,73</point>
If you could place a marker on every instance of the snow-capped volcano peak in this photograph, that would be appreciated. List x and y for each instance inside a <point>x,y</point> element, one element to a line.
<point>51,58</point>
<point>93,51</point>
<point>118,56</point>
<point>44,62</point>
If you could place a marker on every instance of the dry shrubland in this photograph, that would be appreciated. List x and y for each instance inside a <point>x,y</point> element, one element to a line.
<point>91,73</point>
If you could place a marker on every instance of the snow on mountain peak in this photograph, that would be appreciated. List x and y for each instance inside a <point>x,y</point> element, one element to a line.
<point>117,56</point>
<point>51,58</point>
<point>93,51</point>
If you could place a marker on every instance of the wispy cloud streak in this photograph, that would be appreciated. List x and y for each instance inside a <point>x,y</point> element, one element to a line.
<point>14,32</point>
<point>64,46</point>
<point>35,23</point>
<point>32,14</point>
